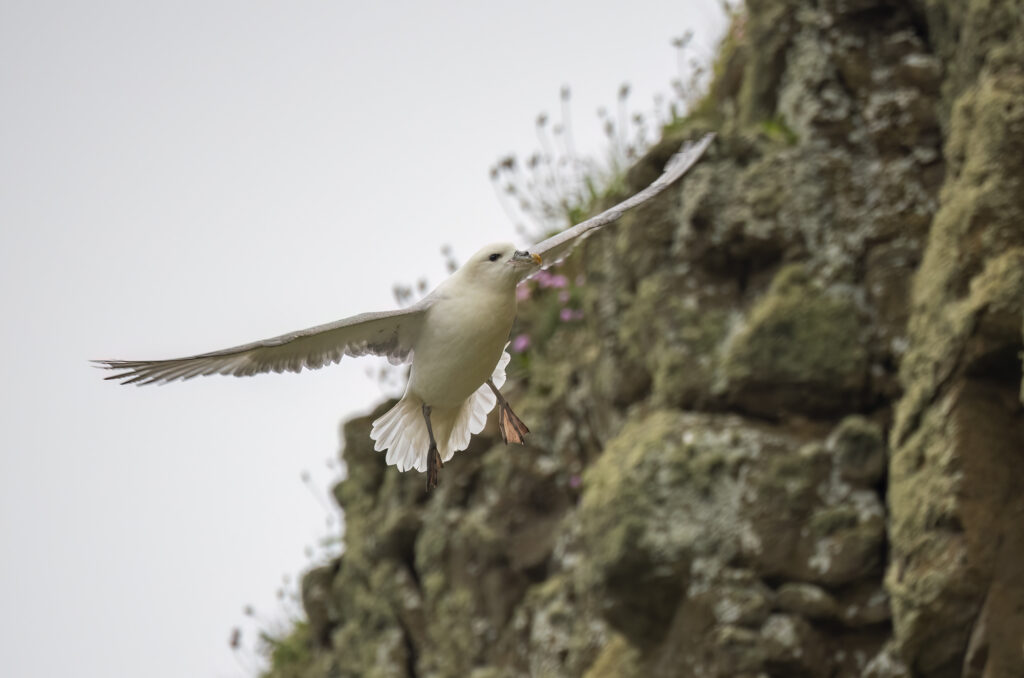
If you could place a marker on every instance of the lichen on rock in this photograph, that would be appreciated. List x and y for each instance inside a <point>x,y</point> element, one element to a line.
<point>784,438</point>
<point>800,350</point>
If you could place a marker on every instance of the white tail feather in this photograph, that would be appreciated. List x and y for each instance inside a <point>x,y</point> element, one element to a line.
<point>403,432</point>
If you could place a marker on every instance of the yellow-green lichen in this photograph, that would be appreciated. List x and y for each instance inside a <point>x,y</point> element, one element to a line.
<point>799,340</point>
<point>618,659</point>
<point>290,656</point>
<point>677,342</point>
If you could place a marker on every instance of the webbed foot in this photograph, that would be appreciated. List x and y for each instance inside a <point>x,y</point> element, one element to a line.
<point>512,428</point>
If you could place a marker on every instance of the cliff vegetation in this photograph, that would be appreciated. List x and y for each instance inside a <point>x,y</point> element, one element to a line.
<point>780,429</point>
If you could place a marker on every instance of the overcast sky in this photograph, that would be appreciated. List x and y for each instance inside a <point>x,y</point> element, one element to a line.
<point>178,177</point>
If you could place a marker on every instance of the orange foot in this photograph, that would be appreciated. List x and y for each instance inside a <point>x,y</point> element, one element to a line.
<point>512,428</point>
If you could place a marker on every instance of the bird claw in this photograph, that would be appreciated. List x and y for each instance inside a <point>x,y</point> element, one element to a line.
<point>512,428</point>
<point>434,464</point>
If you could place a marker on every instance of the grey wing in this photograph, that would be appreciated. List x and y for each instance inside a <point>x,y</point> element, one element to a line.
<point>559,246</point>
<point>391,334</point>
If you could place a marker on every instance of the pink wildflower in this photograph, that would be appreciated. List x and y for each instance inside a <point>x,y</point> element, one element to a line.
<point>520,343</point>
<point>522,293</point>
<point>558,281</point>
<point>569,314</point>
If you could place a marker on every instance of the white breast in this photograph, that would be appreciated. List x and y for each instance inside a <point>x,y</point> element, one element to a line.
<point>460,343</point>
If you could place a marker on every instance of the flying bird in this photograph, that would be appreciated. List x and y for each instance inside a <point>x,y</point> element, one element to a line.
<point>455,338</point>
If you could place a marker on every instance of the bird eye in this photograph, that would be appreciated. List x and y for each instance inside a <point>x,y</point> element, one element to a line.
<point>494,257</point>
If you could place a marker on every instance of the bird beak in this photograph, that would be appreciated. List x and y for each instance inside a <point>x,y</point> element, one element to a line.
<point>526,257</point>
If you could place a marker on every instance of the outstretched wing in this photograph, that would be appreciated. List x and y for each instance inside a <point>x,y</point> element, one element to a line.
<point>390,334</point>
<point>559,246</point>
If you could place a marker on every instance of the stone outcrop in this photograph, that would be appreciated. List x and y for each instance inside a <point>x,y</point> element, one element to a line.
<point>786,438</point>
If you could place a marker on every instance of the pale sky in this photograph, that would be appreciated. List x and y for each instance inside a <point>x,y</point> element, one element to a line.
<point>177,177</point>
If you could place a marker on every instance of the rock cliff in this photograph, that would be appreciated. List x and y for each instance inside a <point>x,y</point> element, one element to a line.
<point>781,431</point>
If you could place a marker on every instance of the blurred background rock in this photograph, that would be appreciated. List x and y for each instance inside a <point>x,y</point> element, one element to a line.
<point>777,413</point>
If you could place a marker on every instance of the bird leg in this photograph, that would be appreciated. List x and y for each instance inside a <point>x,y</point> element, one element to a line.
<point>434,463</point>
<point>512,427</point>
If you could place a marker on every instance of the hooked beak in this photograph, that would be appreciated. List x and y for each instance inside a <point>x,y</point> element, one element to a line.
<point>526,257</point>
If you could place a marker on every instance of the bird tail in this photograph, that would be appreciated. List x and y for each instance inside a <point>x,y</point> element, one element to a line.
<point>402,430</point>
<point>472,416</point>
<point>403,433</point>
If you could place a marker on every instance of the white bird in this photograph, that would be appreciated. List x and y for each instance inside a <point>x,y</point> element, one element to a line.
<point>454,337</point>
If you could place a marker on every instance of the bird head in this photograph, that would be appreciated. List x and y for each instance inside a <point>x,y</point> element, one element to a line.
<point>500,265</point>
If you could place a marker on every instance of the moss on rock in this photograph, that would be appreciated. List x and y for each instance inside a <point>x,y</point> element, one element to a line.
<point>859,450</point>
<point>618,659</point>
<point>665,330</point>
<point>632,538</point>
<point>798,340</point>
<point>954,431</point>
<point>633,559</point>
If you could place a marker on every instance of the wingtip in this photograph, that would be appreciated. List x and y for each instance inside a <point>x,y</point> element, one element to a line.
<point>102,365</point>
<point>120,376</point>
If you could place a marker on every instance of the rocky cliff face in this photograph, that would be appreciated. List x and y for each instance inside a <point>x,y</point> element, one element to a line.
<point>786,437</point>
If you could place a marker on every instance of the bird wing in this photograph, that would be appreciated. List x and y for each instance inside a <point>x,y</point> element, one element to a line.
<point>390,334</point>
<point>559,246</point>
